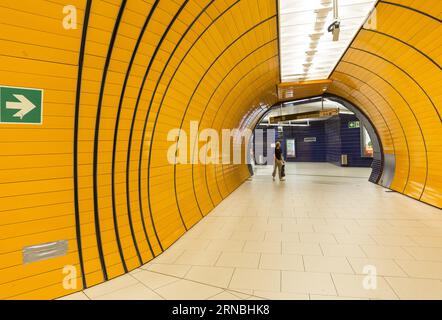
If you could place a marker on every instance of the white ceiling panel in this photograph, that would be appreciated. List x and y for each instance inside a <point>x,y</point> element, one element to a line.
<point>307,49</point>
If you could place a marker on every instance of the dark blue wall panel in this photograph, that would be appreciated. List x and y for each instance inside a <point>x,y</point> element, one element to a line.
<point>351,143</point>
<point>307,151</point>
<point>333,138</point>
<point>332,128</point>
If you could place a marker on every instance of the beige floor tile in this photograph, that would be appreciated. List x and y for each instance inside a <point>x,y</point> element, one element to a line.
<point>110,286</point>
<point>176,270</point>
<point>200,258</point>
<point>317,238</point>
<point>255,220</point>
<point>281,262</point>
<point>393,240</point>
<point>297,228</point>
<point>402,231</point>
<point>301,248</point>
<point>327,264</point>
<point>416,289</point>
<point>154,280</point>
<point>215,276</point>
<point>421,269</point>
<point>281,221</point>
<point>187,290</point>
<point>354,239</point>
<point>248,235</point>
<point>75,296</point>
<point>243,294</point>
<point>353,286</point>
<point>322,297</point>
<point>426,241</point>
<point>265,280</point>
<point>427,254</point>
<point>266,227</point>
<point>240,260</point>
<point>225,295</point>
<point>351,213</point>
<point>255,298</point>
<point>135,292</point>
<point>372,222</point>
<point>282,236</point>
<point>385,252</point>
<point>384,267</point>
<point>216,235</point>
<point>364,230</point>
<point>335,229</point>
<point>169,256</point>
<point>408,223</point>
<point>271,295</point>
<point>341,221</point>
<point>135,271</point>
<point>311,221</point>
<point>263,246</point>
<point>226,245</point>
<point>238,226</point>
<point>342,250</point>
<point>190,244</point>
<point>307,283</point>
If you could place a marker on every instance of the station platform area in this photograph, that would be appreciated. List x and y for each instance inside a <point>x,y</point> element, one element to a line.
<point>317,235</point>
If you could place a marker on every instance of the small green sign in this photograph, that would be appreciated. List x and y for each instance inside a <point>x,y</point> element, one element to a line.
<point>21,105</point>
<point>353,124</point>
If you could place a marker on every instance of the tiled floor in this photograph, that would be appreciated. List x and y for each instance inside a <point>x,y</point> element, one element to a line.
<point>318,235</point>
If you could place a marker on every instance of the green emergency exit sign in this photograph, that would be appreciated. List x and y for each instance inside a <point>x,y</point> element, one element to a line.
<point>353,124</point>
<point>21,105</point>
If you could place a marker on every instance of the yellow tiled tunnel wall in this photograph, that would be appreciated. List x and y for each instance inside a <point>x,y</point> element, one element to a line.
<point>113,88</point>
<point>133,70</point>
<point>392,72</point>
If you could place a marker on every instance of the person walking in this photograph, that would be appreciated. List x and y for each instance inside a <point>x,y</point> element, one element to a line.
<point>278,162</point>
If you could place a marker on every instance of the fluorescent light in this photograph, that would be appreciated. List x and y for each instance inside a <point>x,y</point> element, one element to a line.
<point>307,49</point>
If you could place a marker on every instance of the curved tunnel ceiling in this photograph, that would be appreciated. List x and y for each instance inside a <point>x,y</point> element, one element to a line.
<point>95,171</point>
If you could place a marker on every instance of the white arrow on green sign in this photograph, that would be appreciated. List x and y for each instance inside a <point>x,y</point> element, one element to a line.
<point>21,105</point>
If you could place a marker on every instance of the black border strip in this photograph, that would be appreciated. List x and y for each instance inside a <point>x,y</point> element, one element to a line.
<point>140,92</point>
<point>76,126</point>
<point>208,102</point>
<point>114,148</point>
<point>195,90</point>
<point>403,98</point>
<point>96,141</point>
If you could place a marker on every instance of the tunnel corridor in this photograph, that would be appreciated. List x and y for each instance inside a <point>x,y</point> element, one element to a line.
<point>92,174</point>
